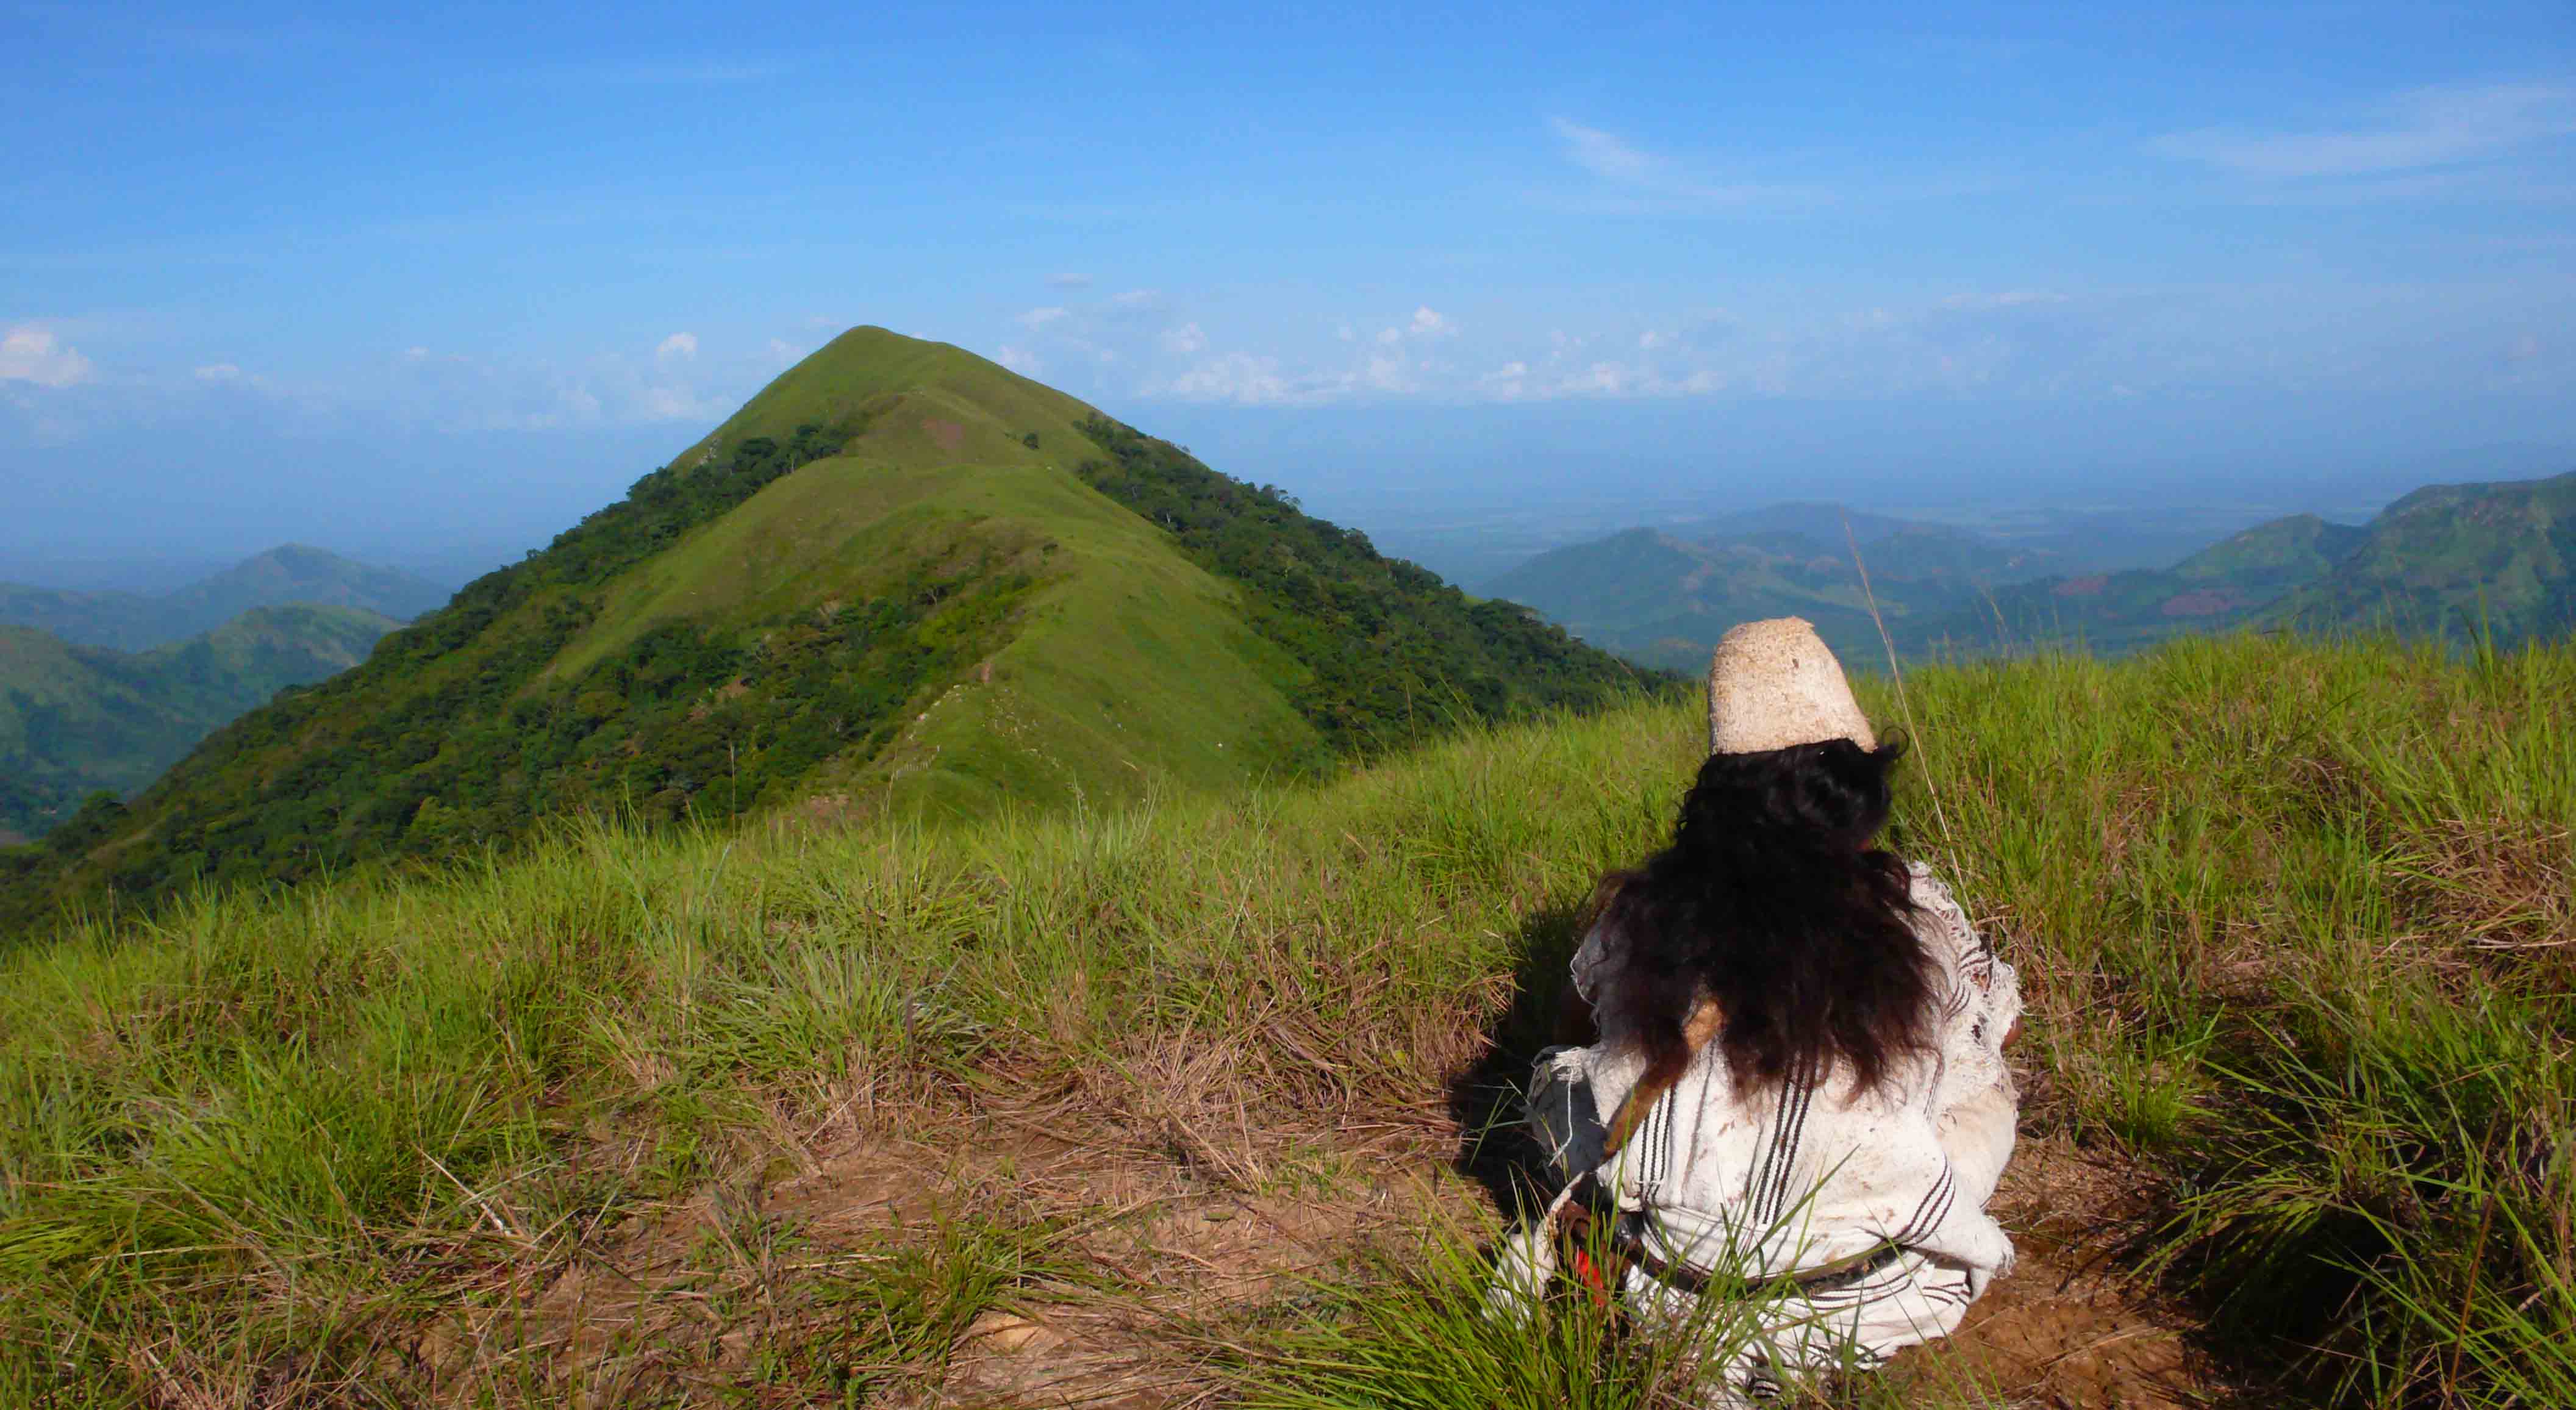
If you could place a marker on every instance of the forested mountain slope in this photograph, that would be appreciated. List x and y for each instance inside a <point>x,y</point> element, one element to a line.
<point>2459,561</point>
<point>75,720</point>
<point>2448,561</point>
<point>901,578</point>
<point>2220,587</point>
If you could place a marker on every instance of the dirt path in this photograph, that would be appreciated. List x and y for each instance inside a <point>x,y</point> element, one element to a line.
<point>1182,1233</point>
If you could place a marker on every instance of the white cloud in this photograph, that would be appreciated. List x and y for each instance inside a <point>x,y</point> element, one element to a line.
<point>1250,380</point>
<point>1041,317</point>
<point>1019,360</point>
<point>666,404</point>
<point>1069,281</point>
<point>1423,324</point>
<point>1602,379</point>
<point>1604,154</point>
<point>2430,127</point>
<point>29,353</point>
<point>2010,340</point>
<point>1388,374</point>
<point>1647,181</point>
<point>2013,341</point>
<point>463,391</point>
<point>2009,298</point>
<point>1235,377</point>
<point>1509,382</point>
<point>421,385</point>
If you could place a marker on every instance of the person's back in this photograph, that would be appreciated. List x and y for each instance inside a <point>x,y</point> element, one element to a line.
<point>1801,1037</point>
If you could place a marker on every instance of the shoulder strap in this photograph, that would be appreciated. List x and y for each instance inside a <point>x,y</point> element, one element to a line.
<point>1697,1032</point>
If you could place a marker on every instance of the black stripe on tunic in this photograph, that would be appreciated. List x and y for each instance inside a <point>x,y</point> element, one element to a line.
<point>1931,1209</point>
<point>1862,1292</point>
<point>1786,1143</point>
<point>1760,1182</point>
<point>1659,1120</point>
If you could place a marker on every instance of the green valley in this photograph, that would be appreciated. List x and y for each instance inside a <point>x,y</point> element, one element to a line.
<point>1663,598</point>
<point>900,580</point>
<point>77,720</point>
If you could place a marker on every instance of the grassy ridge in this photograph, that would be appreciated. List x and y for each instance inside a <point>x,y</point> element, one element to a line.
<point>2294,923</point>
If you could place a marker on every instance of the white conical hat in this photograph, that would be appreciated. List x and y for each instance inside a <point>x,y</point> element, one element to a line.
<point>1773,684</point>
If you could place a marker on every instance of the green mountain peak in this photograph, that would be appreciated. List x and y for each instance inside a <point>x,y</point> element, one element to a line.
<point>919,399</point>
<point>900,578</point>
<point>2273,557</point>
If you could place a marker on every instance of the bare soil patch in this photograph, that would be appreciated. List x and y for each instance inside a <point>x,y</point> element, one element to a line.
<point>2066,1328</point>
<point>726,1295</point>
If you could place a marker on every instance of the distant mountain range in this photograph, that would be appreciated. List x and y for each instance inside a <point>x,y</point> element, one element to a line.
<point>75,720</point>
<point>2451,561</point>
<point>900,578</point>
<point>127,621</point>
<point>2456,562</point>
<point>1662,597</point>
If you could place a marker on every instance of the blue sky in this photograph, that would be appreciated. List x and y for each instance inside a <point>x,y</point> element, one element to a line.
<point>459,276</point>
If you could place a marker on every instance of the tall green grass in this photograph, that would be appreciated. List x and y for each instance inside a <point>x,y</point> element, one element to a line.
<point>2299,926</point>
<point>2294,922</point>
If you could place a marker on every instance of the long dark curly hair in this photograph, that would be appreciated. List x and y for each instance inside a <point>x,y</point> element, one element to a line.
<point>1773,900</point>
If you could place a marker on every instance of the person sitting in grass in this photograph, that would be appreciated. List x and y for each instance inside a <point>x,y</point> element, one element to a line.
<point>1799,1040</point>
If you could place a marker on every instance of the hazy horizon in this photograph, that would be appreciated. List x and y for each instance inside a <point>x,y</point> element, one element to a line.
<point>1467,533</point>
<point>1489,486</point>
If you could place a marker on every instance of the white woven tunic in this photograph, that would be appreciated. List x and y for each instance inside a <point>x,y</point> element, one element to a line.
<point>1810,1174</point>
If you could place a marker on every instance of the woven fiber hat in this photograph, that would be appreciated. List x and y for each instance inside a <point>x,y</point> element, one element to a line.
<point>1773,684</point>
